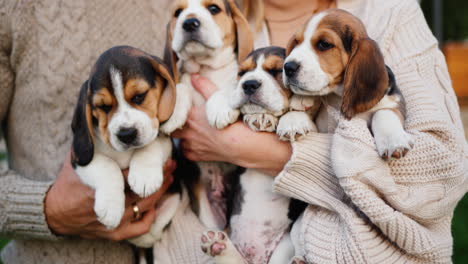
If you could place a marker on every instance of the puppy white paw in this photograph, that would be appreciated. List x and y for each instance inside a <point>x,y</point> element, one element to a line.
<point>261,122</point>
<point>181,109</point>
<point>145,180</point>
<point>393,145</point>
<point>109,207</point>
<point>213,243</point>
<point>218,111</point>
<point>294,125</point>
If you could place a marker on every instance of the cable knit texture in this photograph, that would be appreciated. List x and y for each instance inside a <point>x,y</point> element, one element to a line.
<point>47,49</point>
<point>362,209</point>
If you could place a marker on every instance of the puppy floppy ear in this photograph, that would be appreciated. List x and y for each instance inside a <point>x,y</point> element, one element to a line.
<point>292,43</point>
<point>170,57</point>
<point>168,96</point>
<point>365,78</point>
<point>82,127</point>
<point>244,35</point>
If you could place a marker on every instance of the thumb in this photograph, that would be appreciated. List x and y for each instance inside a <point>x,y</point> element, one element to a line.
<point>204,86</point>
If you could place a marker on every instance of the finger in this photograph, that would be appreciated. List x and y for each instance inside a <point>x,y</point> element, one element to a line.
<point>131,229</point>
<point>185,145</point>
<point>191,155</point>
<point>180,133</point>
<point>145,204</point>
<point>204,86</point>
<point>169,167</point>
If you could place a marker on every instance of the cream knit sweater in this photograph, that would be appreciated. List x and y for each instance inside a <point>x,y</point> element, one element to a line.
<point>361,208</point>
<point>365,210</point>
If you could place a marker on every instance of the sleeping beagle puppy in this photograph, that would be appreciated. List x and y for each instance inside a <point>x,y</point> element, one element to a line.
<point>116,124</point>
<point>333,58</point>
<point>207,37</point>
<point>261,219</point>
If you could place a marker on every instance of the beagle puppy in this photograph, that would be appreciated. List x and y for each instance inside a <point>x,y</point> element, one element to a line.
<point>261,219</point>
<point>207,37</point>
<point>116,124</point>
<point>333,58</point>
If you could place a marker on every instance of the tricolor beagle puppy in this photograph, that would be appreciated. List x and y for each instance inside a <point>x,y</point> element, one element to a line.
<point>333,58</point>
<point>261,219</point>
<point>128,95</point>
<point>207,37</point>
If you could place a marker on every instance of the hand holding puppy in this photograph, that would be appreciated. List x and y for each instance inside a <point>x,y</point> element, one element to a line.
<point>236,143</point>
<point>69,208</point>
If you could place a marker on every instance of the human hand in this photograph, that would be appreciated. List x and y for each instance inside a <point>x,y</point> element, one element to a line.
<point>69,207</point>
<point>235,144</point>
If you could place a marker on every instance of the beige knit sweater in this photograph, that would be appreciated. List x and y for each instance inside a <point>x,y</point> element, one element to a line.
<point>365,210</point>
<point>361,208</point>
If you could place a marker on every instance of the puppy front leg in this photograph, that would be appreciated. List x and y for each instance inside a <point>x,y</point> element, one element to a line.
<point>218,245</point>
<point>146,167</point>
<point>105,177</point>
<point>391,139</point>
<point>294,125</point>
<point>181,109</point>
<point>219,111</point>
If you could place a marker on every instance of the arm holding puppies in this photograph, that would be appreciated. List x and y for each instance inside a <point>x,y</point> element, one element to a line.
<point>17,220</point>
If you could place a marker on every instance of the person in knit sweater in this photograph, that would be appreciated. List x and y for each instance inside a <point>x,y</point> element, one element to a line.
<point>47,49</point>
<point>361,208</point>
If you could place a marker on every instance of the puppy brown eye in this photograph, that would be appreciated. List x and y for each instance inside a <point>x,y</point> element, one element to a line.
<point>177,12</point>
<point>139,98</point>
<point>241,73</point>
<point>105,108</point>
<point>275,72</point>
<point>214,9</point>
<point>322,45</point>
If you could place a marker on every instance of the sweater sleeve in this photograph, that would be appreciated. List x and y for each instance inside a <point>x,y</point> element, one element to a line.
<point>308,176</point>
<point>6,73</point>
<point>21,200</point>
<point>411,200</point>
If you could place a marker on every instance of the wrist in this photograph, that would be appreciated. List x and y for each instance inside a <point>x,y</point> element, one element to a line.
<point>51,212</point>
<point>264,152</point>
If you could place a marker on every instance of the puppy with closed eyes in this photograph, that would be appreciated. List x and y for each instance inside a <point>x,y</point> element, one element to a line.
<point>333,58</point>
<point>261,219</point>
<point>207,37</point>
<point>116,124</point>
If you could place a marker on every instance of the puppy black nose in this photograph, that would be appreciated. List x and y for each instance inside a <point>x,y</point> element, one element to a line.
<point>127,135</point>
<point>291,68</point>
<point>250,86</point>
<point>191,24</point>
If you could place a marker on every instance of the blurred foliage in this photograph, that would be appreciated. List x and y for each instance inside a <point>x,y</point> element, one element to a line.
<point>454,17</point>
<point>460,232</point>
<point>3,243</point>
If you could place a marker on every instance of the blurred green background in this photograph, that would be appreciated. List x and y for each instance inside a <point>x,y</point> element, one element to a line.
<point>454,26</point>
